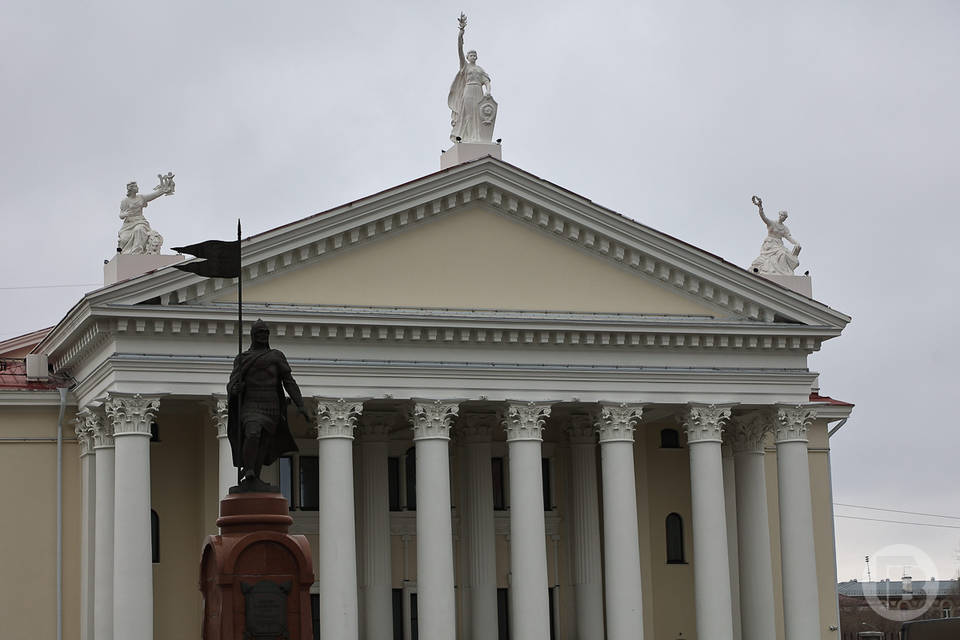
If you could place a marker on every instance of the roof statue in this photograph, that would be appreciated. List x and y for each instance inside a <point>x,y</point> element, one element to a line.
<point>136,236</point>
<point>774,258</point>
<point>473,111</point>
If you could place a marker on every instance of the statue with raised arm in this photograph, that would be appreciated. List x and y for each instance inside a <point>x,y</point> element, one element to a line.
<point>774,258</point>
<point>473,111</point>
<point>136,236</point>
<point>257,409</point>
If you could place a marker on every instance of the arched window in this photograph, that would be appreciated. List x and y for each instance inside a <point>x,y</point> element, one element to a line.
<point>155,535</point>
<point>674,526</point>
<point>669,439</point>
<point>410,475</point>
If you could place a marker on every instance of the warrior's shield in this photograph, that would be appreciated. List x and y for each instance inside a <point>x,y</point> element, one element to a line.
<point>488,117</point>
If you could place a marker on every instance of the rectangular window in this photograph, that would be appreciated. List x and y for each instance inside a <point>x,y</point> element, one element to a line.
<point>414,630</point>
<point>309,483</point>
<point>551,592</point>
<point>285,471</point>
<point>503,613</point>
<point>410,475</point>
<point>499,492</point>
<point>397,613</point>
<point>547,485</point>
<point>393,482</point>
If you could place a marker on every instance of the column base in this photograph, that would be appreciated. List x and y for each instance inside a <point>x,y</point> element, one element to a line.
<point>255,577</point>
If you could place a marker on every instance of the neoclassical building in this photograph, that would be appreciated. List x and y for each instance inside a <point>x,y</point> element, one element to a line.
<point>536,418</point>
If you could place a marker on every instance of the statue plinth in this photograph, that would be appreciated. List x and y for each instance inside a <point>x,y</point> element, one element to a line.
<point>127,265</point>
<point>798,284</point>
<point>462,152</point>
<point>255,577</point>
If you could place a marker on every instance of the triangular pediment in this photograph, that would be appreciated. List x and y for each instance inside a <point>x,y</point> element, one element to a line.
<point>474,258</point>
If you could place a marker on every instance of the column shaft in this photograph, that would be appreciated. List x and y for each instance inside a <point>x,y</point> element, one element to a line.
<point>711,566</point>
<point>624,590</point>
<point>436,607</point>
<point>103,544</point>
<point>374,521</point>
<point>478,525</point>
<point>529,606</point>
<point>337,544</point>
<point>733,555</point>
<point>585,526</point>
<point>801,604</point>
<point>756,566</point>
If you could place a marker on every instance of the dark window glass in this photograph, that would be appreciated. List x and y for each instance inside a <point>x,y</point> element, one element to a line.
<point>315,614</point>
<point>553,622</point>
<point>155,535</point>
<point>393,483</point>
<point>669,439</point>
<point>397,612</point>
<point>499,493</point>
<point>309,483</point>
<point>674,539</point>
<point>411,478</point>
<point>414,631</point>
<point>154,432</point>
<point>503,614</point>
<point>285,468</point>
<point>547,485</point>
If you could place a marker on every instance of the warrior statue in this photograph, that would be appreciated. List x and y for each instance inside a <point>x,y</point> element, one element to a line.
<point>135,235</point>
<point>774,259</point>
<point>473,111</point>
<point>257,420</point>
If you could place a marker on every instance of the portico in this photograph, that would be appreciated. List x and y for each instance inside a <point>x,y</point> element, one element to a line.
<point>540,460</point>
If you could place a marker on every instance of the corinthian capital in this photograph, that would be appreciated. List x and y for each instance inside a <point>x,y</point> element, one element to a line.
<point>704,423</point>
<point>526,421</point>
<point>219,414</point>
<point>337,418</point>
<point>748,433</point>
<point>131,415</point>
<point>792,423</point>
<point>432,419</point>
<point>84,426</point>
<point>617,422</point>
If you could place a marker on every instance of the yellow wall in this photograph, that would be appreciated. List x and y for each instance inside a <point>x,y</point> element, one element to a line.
<point>28,536</point>
<point>495,263</point>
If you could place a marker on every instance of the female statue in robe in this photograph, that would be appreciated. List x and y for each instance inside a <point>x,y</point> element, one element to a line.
<point>774,257</point>
<point>469,87</point>
<point>136,236</point>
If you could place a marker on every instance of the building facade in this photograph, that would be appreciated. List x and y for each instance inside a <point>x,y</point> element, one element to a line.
<point>536,418</point>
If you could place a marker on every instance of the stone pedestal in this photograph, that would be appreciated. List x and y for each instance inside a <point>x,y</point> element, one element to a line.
<point>125,266</point>
<point>254,576</point>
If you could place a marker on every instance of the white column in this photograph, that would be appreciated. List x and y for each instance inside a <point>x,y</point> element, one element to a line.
<point>529,607</point>
<point>226,472</point>
<point>711,566</point>
<point>436,607</point>
<point>337,544</point>
<point>86,424</point>
<point>753,526</point>
<point>132,558</point>
<point>373,519</point>
<point>480,582</point>
<point>620,534</point>
<point>103,528</point>
<point>801,603</point>
<point>585,528</point>
<point>730,511</point>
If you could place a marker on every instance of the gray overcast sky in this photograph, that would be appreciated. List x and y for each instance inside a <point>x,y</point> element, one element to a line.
<point>671,113</point>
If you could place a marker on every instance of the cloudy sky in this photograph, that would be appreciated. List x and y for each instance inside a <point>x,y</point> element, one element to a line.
<point>671,113</point>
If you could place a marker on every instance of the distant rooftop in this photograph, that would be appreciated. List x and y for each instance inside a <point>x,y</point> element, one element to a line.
<point>894,588</point>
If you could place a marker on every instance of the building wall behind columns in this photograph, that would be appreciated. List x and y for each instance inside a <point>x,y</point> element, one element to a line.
<point>209,474</point>
<point>668,479</point>
<point>177,495</point>
<point>28,528</point>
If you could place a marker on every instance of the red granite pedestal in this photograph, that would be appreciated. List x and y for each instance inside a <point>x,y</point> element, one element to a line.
<point>255,577</point>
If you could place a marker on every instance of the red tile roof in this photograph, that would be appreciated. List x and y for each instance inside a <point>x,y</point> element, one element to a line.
<point>816,397</point>
<point>13,375</point>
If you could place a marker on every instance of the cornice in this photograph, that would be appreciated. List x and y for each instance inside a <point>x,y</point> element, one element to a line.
<point>45,398</point>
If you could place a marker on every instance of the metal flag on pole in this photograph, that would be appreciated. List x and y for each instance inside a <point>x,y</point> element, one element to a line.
<point>221,260</point>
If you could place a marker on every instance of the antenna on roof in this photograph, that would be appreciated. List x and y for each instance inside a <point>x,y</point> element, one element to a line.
<point>867,560</point>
